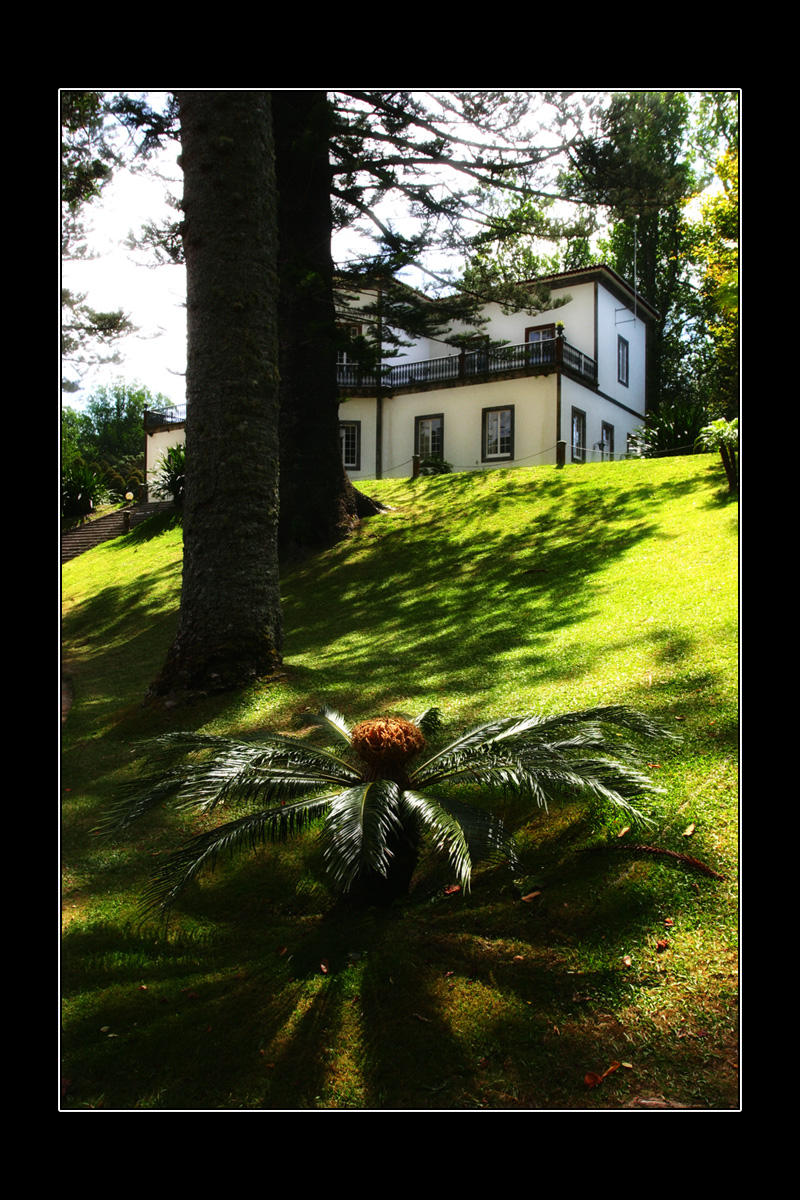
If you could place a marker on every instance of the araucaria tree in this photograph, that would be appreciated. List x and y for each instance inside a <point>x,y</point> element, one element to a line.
<point>230,623</point>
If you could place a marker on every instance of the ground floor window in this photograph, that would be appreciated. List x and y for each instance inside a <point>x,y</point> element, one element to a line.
<point>350,437</point>
<point>578,435</point>
<point>429,436</point>
<point>606,441</point>
<point>498,433</point>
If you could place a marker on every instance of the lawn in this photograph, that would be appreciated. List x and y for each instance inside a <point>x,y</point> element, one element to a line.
<point>484,593</point>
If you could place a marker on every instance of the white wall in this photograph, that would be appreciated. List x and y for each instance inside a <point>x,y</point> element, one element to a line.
<point>157,444</point>
<point>533,400</point>
<point>613,320</point>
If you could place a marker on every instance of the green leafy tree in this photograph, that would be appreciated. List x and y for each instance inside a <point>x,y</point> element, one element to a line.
<point>713,240</point>
<point>633,164</point>
<point>116,412</point>
<point>379,795</point>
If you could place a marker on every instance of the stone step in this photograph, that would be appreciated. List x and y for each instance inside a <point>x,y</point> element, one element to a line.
<point>85,537</point>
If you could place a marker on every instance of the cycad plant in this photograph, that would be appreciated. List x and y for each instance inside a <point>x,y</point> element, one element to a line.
<point>380,797</point>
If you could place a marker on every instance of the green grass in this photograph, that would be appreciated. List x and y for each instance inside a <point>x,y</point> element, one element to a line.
<point>486,594</point>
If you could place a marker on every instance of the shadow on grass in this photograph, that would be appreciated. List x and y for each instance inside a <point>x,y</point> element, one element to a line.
<point>427,1006</point>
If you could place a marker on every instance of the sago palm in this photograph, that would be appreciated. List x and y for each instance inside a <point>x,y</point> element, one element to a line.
<point>381,797</point>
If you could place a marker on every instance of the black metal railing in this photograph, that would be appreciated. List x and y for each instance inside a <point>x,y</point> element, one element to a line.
<point>473,364</point>
<point>154,419</point>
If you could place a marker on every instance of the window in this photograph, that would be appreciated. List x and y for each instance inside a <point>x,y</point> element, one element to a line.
<point>541,339</point>
<point>578,435</point>
<point>350,437</point>
<point>348,333</point>
<point>606,441</point>
<point>622,360</point>
<point>429,436</point>
<point>498,434</point>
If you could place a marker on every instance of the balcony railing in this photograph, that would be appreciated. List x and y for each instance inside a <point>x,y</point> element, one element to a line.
<point>474,364</point>
<point>168,416</point>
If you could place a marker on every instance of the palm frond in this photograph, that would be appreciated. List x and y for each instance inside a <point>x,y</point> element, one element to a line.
<point>330,719</point>
<point>444,831</point>
<point>486,834</point>
<point>358,830</point>
<point>231,772</point>
<point>479,736</point>
<point>246,833</point>
<point>429,721</point>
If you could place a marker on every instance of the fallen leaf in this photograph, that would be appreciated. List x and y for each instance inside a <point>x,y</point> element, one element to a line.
<point>688,831</point>
<point>518,958</point>
<point>628,960</point>
<point>452,888</point>
<point>624,830</point>
<point>627,1066</point>
<point>662,944</point>
<point>531,896</point>
<point>669,922</point>
<point>592,1079</point>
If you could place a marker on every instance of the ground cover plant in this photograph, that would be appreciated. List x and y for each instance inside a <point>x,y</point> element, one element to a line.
<point>488,593</point>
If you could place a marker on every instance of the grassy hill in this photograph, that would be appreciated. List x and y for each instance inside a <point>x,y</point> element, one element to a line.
<point>486,594</point>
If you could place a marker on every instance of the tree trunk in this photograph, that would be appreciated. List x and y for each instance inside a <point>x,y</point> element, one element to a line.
<point>318,502</point>
<point>230,623</point>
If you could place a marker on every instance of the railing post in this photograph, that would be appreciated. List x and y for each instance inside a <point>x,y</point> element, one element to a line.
<point>561,454</point>
<point>414,466</point>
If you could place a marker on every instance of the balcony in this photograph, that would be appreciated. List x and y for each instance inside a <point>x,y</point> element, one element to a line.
<point>155,421</point>
<point>473,366</point>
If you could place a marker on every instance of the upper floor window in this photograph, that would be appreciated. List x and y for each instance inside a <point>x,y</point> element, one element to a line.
<point>623,362</point>
<point>348,333</point>
<point>541,339</point>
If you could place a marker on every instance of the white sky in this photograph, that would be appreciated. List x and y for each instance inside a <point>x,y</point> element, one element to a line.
<point>116,277</point>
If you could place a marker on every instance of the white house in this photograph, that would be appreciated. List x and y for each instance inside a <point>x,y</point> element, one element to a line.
<point>565,385</point>
<point>574,375</point>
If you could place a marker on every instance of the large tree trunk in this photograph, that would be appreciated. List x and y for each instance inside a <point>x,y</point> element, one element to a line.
<point>230,622</point>
<point>318,502</point>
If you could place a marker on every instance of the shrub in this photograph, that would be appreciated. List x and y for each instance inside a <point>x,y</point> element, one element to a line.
<point>82,489</point>
<point>170,479</point>
<point>375,800</point>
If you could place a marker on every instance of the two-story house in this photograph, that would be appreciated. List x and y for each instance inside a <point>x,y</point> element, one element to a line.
<point>565,385</point>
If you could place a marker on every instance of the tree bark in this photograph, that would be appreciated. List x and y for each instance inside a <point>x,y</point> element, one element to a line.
<point>230,622</point>
<point>317,501</point>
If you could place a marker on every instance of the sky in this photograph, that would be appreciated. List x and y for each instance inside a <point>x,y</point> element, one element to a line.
<point>119,278</point>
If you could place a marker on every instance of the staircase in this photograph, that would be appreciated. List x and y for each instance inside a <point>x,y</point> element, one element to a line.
<point>93,533</point>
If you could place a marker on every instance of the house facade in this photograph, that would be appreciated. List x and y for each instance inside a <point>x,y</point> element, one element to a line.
<point>566,385</point>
